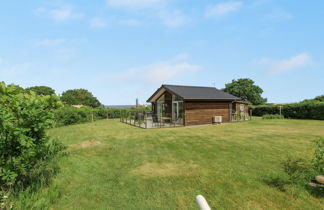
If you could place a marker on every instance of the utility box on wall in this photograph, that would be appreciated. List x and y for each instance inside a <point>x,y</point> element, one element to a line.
<point>217,119</point>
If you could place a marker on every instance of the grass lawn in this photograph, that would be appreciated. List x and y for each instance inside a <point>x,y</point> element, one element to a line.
<point>116,166</point>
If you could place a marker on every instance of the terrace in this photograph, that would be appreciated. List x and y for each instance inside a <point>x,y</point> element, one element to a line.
<point>150,120</point>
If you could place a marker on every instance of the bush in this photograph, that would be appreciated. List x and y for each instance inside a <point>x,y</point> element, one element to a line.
<point>25,150</point>
<point>299,172</point>
<point>272,116</point>
<point>304,110</point>
<point>318,160</point>
<point>70,115</point>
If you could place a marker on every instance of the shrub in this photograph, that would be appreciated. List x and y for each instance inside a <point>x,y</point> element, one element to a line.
<point>298,170</point>
<point>318,160</point>
<point>70,115</point>
<point>304,110</point>
<point>272,116</point>
<point>25,150</point>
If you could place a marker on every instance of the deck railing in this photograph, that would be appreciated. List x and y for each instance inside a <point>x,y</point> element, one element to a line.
<point>150,120</point>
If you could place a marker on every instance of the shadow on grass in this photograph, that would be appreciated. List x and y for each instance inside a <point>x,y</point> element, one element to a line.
<point>317,192</point>
<point>277,181</point>
<point>282,183</point>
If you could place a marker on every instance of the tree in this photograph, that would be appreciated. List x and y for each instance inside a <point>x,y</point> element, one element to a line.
<point>41,90</point>
<point>319,98</point>
<point>25,149</point>
<point>14,88</point>
<point>80,96</point>
<point>246,90</point>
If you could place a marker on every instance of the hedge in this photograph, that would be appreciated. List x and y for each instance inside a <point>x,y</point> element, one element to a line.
<point>70,115</point>
<point>272,116</point>
<point>310,110</point>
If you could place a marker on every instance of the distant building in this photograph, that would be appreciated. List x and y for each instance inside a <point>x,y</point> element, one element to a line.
<point>78,106</point>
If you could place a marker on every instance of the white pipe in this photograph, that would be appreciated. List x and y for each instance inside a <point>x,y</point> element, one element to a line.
<point>202,203</point>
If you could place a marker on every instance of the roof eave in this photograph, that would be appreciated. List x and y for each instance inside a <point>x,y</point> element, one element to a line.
<point>210,99</point>
<point>149,99</point>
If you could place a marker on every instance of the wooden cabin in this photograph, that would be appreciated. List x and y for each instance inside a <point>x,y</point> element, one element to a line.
<point>193,105</point>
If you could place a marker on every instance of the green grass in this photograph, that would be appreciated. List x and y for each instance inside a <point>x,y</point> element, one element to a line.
<point>135,168</point>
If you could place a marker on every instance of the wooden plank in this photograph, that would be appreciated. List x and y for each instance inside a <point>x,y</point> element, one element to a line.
<point>197,113</point>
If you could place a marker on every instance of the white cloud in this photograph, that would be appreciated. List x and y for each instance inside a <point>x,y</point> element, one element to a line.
<point>159,72</point>
<point>15,69</point>
<point>172,19</point>
<point>279,15</point>
<point>64,14</point>
<point>51,42</point>
<point>150,9</point>
<point>222,9</point>
<point>97,22</point>
<point>60,14</point>
<point>293,63</point>
<point>133,3</point>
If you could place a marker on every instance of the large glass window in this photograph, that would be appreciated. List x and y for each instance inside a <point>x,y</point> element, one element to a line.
<point>160,106</point>
<point>177,109</point>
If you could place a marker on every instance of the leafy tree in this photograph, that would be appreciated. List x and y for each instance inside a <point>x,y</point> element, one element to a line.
<point>15,88</point>
<point>319,98</point>
<point>80,96</point>
<point>246,90</point>
<point>26,153</point>
<point>41,90</point>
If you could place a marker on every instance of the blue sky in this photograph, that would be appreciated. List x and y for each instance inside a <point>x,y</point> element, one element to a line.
<point>123,49</point>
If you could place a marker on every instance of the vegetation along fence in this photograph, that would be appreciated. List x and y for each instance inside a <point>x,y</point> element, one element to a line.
<point>149,120</point>
<point>303,110</point>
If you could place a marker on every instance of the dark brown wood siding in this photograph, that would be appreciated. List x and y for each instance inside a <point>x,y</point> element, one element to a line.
<point>202,112</point>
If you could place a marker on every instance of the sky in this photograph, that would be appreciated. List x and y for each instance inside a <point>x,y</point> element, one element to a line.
<point>121,50</point>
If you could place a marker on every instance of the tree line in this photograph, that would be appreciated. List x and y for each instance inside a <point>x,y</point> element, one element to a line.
<point>244,88</point>
<point>70,97</point>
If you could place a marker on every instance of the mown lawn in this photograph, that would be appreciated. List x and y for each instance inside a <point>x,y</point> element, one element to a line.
<point>116,166</point>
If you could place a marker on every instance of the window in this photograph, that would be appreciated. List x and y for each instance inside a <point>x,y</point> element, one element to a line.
<point>176,98</point>
<point>160,106</point>
<point>242,106</point>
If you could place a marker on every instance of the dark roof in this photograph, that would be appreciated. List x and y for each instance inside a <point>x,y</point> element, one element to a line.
<point>197,93</point>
